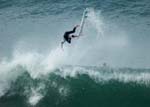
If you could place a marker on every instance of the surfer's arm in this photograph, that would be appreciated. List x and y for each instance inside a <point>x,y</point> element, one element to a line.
<point>73,36</point>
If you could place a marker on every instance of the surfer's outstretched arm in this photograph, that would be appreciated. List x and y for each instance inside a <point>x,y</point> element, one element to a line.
<point>73,36</point>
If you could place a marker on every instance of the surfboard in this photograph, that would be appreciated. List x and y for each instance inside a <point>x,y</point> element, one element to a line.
<point>84,16</point>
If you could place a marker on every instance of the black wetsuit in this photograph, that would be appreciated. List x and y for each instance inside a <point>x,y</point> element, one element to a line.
<point>67,35</point>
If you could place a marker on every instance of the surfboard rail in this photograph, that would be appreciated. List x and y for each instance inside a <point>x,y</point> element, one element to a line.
<point>84,16</point>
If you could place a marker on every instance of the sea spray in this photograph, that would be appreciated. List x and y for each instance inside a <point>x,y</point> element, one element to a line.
<point>95,19</point>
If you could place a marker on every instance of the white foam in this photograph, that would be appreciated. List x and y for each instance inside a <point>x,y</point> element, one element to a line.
<point>37,64</point>
<point>35,97</point>
<point>8,73</point>
<point>63,91</point>
<point>33,63</point>
<point>101,76</point>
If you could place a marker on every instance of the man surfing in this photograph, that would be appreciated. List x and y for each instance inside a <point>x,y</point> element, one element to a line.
<point>68,37</point>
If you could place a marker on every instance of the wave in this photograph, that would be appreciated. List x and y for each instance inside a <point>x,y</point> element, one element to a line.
<point>75,83</point>
<point>27,79</point>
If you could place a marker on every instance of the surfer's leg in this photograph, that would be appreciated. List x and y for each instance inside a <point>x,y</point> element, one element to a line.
<point>73,31</point>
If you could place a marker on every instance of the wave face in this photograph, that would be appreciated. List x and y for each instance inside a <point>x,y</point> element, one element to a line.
<point>71,86</point>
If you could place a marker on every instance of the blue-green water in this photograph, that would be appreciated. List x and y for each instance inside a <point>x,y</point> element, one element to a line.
<point>107,67</point>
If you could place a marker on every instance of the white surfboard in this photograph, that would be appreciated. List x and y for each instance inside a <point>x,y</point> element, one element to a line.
<point>82,22</point>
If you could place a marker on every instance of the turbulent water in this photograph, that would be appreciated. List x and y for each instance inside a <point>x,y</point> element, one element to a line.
<point>107,67</point>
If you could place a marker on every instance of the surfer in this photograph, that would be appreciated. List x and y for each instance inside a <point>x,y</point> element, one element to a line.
<point>68,37</point>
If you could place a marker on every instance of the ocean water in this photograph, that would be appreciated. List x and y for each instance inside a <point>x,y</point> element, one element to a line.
<point>109,66</point>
